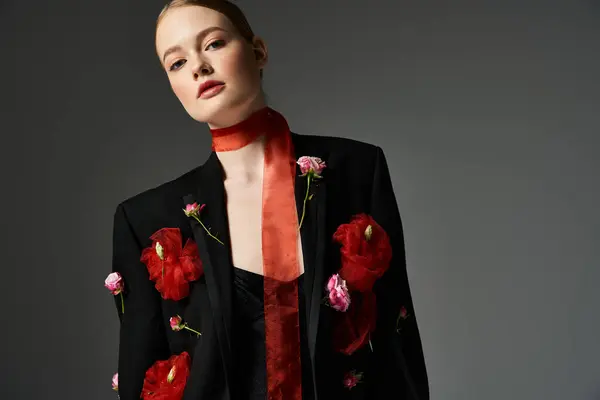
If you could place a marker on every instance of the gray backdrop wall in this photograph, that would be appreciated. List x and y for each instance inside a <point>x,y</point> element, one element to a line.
<point>487,110</point>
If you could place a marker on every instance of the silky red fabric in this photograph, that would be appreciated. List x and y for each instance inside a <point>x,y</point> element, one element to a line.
<point>279,246</point>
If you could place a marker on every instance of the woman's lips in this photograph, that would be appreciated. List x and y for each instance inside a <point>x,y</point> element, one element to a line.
<point>212,91</point>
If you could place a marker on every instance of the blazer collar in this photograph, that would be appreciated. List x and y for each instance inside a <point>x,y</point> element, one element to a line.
<point>208,188</point>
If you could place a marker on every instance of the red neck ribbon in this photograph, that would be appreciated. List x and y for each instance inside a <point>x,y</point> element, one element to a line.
<point>279,246</point>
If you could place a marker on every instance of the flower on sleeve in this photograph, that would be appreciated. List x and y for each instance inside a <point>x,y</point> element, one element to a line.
<point>339,298</point>
<point>172,267</point>
<point>193,210</point>
<point>177,324</point>
<point>115,284</point>
<point>115,382</point>
<point>311,167</point>
<point>166,379</point>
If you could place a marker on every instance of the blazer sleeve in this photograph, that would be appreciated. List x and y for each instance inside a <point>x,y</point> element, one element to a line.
<point>397,352</point>
<point>142,338</point>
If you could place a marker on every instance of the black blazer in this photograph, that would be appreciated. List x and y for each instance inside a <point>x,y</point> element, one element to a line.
<point>356,180</point>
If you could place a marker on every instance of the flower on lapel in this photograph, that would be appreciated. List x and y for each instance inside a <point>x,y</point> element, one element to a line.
<point>311,167</point>
<point>193,210</point>
<point>172,267</point>
<point>115,284</point>
<point>351,379</point>
<point>177,324</point>
<point>115,382</point>
<point>365,253</point>
<point>166,379</point>
<point>339,298</point>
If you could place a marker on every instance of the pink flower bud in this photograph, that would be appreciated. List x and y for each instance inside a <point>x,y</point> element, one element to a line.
<point>311,165</point>
<point>115,382</point>
<point>175,323</point>
<point>114,283</point>
<point>339,298</point>
<point>351,379</point>
<point>403,313</point>
<point>193,209</point>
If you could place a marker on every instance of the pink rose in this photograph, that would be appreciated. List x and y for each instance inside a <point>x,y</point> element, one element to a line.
<point>193,209</point>
<point>403,313</point>
<point>351,379</point>
<point>311,165</point>
<point>115,382</point>
<point>176,324</point>
<point>114,283</point>
<point>339,298</point>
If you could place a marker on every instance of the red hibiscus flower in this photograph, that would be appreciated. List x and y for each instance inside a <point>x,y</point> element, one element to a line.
<point>365,254</point>
<point>166,379</point>
<point>352,328</point>
<point>172,267</point>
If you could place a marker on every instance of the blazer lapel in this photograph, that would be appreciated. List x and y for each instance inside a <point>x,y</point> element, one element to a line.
<point>216,257</point>
<point>314,243</point>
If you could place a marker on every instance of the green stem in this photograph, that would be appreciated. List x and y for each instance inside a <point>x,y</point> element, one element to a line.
<point>305,198</point>
<point>207,231</point>
<point>122,304</point>
<point>192,330</point>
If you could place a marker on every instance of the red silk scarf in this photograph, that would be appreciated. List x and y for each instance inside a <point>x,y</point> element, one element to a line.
<point>279,246</point>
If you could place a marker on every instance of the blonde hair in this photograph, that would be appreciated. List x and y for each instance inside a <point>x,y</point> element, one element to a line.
<point>230,10</point>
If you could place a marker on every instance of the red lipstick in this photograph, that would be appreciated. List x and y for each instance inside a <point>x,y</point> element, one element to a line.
<point>210,88</point>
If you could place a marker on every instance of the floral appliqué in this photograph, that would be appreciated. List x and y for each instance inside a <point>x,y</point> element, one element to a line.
<point>193,210</point>
<point>115,284</point>
<point>311,167</point>
<point>166,379</point>
<point>402,316</point>
<point>338,297</point>
<point>351,379</point>
<point>365,256</point>
<point>171,266</point>
<point>177,324</point>
<point>115,382</point>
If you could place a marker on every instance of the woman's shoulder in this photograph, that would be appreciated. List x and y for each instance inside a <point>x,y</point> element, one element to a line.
<point>160,197</point>
<point>336,144</point>
<point>350,156</point>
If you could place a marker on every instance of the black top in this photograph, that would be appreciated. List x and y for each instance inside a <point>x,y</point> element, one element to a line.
<point>249,338</point>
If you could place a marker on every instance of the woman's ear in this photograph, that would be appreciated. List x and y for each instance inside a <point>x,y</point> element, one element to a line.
<point>261,54</point>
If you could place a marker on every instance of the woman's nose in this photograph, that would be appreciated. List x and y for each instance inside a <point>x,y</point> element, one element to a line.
<point>203,69</point>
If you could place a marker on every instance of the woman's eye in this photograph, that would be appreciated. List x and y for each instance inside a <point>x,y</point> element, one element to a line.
<point>216,44</point>
<point>173,66</point>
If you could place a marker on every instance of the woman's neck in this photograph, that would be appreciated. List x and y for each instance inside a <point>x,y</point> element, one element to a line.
<point>245,165</point>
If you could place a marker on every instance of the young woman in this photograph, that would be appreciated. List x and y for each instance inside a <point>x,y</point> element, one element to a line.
<point>275,270</point>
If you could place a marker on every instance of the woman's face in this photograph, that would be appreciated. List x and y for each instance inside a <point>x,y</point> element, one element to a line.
<point>196,45</point>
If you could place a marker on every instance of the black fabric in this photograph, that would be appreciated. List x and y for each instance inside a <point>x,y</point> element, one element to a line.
<point>356,180</point>
<point>249,338</point>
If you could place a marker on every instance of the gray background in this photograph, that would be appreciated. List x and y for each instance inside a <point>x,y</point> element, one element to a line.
<point>487,111</point>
